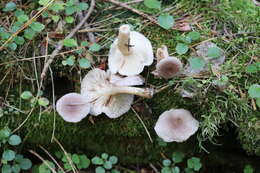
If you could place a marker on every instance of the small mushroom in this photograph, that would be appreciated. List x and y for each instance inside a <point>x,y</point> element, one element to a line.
<point>130,52</point>
<point>167,66</point>
<point>176,125</point>
<point>73,107</point>
<point>110,94</point>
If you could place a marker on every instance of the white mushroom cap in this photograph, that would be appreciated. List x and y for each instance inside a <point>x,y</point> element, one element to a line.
<point>73,107</point>
<point>109,93</point>
<point>176,125</point>
<point>167,66</point>
<point>130,52</point>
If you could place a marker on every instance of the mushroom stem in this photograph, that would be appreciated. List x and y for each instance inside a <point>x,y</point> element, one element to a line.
<point>162,53</point>
<point>143,92</point>
<point>124,40</point>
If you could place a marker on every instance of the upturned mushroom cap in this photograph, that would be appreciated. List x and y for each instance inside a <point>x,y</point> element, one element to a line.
<point>167,66</point>
<point>73,107</point>
<point>176,125</point>
<point>109,93</point>
<point>130,52</point>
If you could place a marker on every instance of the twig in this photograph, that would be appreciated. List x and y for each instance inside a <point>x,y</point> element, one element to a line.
<point>154,168</point>
<point>71,34</point>
<point>127,3</point>
<point>44,161</point>
<point>143,124</point>
<point>26,24</point>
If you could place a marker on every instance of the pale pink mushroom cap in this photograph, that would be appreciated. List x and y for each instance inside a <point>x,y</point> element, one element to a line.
<point>73,107</point>
<point>140,53</point>
<point>109,93</point>
<point>167,66</point>
<point>176,125</point>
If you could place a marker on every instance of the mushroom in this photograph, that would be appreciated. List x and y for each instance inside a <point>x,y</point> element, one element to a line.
<point>73,107</point>
<point>130,52</point>
<point>167,66</point>
<point>111,94</point>
<point>176,125</point>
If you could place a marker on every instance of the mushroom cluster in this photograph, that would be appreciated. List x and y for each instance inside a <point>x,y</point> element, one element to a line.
<point>112,92</point>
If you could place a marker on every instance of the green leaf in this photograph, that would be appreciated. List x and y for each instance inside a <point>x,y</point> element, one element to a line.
<point>18,158</point>
<point>166,162</point>
<point>166,21</point>
<point>152,4</point>
<point>188,170</point>
<point>84,44</point>
<point>44,2</point>
<point>29,33</point>
<point>115,171</point>
<point>69,19</point>
<point>5,133</point>
<point>8,155</point>
<point>14,140</point>
<point>113,159</point>
<point>194,35</point>
<point>75,158</point>
<point>84,162</point>
<point>70,42</point>
<point>252,68</point>
<point>82,6</point>
<point>248,169</point>
<point>194,163</point>
<point>22,18</point>
<point>107,165</point>
<point>254,91</point>
<point>100,170</point>
<point>55,18</point>
<point>16,168</point>
<point>104,156</point>
<point>181,48</point>
<point>19,40</point>
<point>25,164</point>
<point>69,61</point>
<point>18,12</point>
<point>37,27</point>
<point>166,170</point>
<point>84,63</point>
<point>97,161</point>
<point>213,52</point>
<point>68,166</point>
<point>43,101</point>
<point>196,63</point>
<point>56,7</point>
<point>177,157</point>
<point>70,10</point>
<point>258,102</point>
<point>58,154</point>
<point>176,169</point>
<point>10,6</point>
<point>94,47</point>
<point>26,95</point>
<point>12,46</point>
<point>6,169</point>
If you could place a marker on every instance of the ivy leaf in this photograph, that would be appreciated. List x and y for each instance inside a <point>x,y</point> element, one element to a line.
<point>152,4</point>
<point>75,158</point>
<point>37,26</point>
<point>181,48</point>
<point>84,63</point>
<point>26,95</point>
<point>254,91</point>
<point>56,7</point>
<point>14,140</point>
<point>10,6</point>
<point>196,63</point>
<point>22,18</point>
<point>194,35</point>
<point>19,40</point>
<point>29,34</point>
<point>84,162</point>
<point>8,155</point>
<point>94,47</point>
<point>70,42</point>
<point>166,21</point>
<point>213,52</point>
